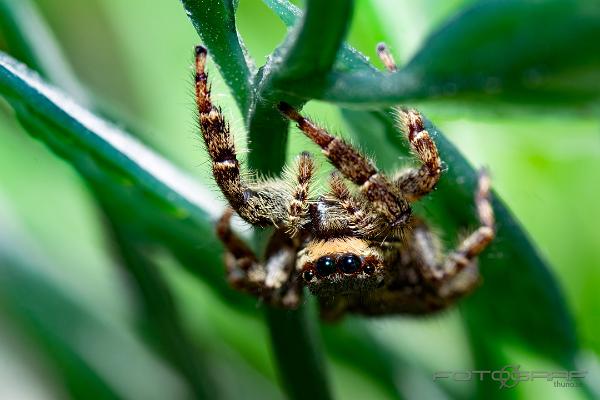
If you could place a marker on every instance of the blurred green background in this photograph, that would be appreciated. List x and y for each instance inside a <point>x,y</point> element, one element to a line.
<point>135,58</point>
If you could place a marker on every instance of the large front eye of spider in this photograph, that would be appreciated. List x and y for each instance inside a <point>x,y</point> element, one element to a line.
<point>349,263</point>
<point>325,266</point>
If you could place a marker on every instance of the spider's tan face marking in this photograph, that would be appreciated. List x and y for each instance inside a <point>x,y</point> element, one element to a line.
<point>319,248</point>
<point>340,265</point>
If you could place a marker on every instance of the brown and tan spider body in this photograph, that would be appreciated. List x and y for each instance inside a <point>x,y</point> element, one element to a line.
<point>358,251</point>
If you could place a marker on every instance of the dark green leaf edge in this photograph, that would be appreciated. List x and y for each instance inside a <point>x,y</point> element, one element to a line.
<point>135,161</point>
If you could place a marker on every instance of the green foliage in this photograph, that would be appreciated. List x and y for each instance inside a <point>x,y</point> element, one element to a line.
<point>492,50</point>
<point>215,22</point>
<point>511,52</point>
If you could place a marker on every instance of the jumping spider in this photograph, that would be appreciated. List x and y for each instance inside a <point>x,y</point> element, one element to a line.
<point>357,252</point>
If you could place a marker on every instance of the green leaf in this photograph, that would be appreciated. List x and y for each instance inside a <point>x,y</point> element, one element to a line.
<point>308,51</point>
<point>147,199</point>
<point>106,155</point>
<point>513,45</point>
<point>31,40</point>
<point>160,318</point>
<point>519,304</point>
<point>57,320</point>
<point>214,21</point>
<point>544,50</point>
<point>348,58</point>
<point>159,313</point>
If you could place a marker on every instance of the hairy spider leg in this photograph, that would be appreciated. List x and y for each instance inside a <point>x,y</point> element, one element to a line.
<point>414,183</point>
<point>244,272</point>
<point>386,57</point>
<point>273,281</point>
<point>426,281</point>
<point>298,212</point>
<point>375,186</point>
<point>361,219</point>
<point>442,272</point>
<point>263,203</point>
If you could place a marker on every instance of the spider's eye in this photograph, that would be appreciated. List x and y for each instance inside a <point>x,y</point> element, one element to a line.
<point>325,266</point>
<point>349,264</point>
<point>308,275</point>
<point>369,269</point>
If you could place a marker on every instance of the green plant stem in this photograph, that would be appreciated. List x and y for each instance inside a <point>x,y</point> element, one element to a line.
<point>348,57</point>
<point>214,21</point>
<point>295,344</point>
<point>350,340</point>
<point>308,51</point>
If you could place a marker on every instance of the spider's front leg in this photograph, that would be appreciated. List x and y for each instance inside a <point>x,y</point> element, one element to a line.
<point>273,281</point>
<point>265,203</point>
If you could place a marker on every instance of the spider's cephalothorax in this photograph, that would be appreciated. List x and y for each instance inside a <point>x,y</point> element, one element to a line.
<point>358,250</point>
